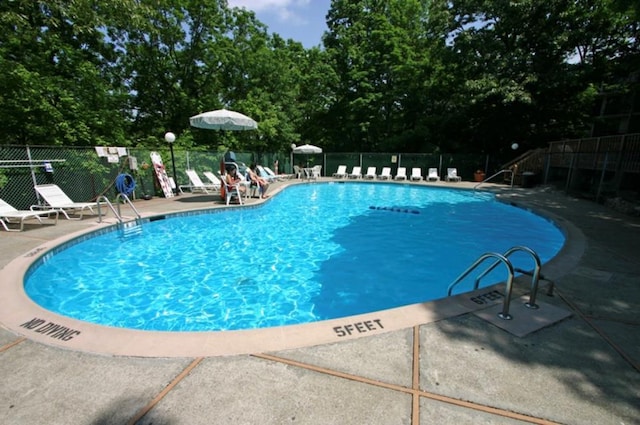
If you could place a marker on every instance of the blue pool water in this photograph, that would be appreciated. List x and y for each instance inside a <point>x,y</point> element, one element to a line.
<point>313,252</point>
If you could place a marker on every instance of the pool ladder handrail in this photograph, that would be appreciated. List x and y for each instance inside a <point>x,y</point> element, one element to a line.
<point>117,214</point>
<point>495,175</point>
<point>504,258</point>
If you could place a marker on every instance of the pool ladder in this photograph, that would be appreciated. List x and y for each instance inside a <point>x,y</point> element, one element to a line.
<point>130,228</point>
<point>504,259</point>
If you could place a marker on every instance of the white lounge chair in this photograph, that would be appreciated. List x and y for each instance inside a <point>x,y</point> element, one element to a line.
<point>416,174</point>
<point>341,172</point>
<point>213,179</point>
<point>371,173</point>
<point>276,176</point>
<point>356,172</point>
<point>452,175</point>
<point>402,174</point>
<point>9,215</point>
<point>386,173</point>
<point>196,184</point>
<point>432,175</point>
<point>262,172</point>
<point>57,200</point>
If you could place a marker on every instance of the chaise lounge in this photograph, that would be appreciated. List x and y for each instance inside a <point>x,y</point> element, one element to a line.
<point>9,215</point>
<point>57,200</point>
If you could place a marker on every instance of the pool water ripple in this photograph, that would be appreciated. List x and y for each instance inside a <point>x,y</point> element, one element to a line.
<point>311,253</point>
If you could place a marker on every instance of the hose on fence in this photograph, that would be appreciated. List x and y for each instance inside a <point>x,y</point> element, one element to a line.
<point>125,184</point>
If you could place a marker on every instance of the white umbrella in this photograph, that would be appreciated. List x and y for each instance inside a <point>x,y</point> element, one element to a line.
<point>308,149</point>
<point>223,119</point>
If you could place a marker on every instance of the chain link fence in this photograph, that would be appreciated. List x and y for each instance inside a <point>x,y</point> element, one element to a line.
<point>84,175</point>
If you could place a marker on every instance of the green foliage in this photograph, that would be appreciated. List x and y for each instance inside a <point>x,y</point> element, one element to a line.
<point>394,75</point>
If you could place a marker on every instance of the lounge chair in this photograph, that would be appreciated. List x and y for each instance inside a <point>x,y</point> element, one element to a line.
<point>276,176</point>
<point>213,179</point>
<point>341,172</point>
<point>402,174</point>
<point>371,173</point>
<point>9,215</point>
<point>452,175</point>
<point>386,173</point>
<point>356,173</point>
<point>57,200</point>
<point>262,172</point>
<point>432,175</point>
<point>416,174</point>
<point>196,184</point>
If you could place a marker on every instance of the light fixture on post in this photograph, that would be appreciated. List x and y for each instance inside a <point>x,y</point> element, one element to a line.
<point>515,146</point>
<point>170,138</point>
<point>293,146</point>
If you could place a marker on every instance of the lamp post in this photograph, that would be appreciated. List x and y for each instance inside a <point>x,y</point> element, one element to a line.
<point>170,138</point>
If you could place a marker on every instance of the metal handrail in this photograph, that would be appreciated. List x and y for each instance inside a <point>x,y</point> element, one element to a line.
<point>113,210</point>
<point>497,174</point>
<point>535,275</point>
<point>509,284</point>
<point>126,200</point>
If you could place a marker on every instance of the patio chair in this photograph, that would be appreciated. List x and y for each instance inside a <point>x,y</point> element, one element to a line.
<point>9,215</point>
<point>371,173</point>
<point>416,174</point>
<point>341,172</point>
<point>298,172</point>
<point>229,192</point>
<point>432,175</point>
<point>402,174</point>
<point>213,179</point>
<point>356,172</point>
<point>57,200</point>
<point>276,176</point>
<point>452,175</point>
<point>196,184</point>
<point>262,172</point>
<point>314,172</point>
<point>386,173</point>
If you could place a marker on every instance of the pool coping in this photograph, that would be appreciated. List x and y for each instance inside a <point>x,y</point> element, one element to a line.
<point>24,317</point>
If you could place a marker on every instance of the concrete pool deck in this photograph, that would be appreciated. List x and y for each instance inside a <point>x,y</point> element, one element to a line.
<point>461,369</point>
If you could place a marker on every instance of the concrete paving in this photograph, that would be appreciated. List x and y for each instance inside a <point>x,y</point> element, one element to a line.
<point>461,370</point>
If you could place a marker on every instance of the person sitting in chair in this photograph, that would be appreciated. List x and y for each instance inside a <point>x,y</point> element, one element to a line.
<point>262,184</point>
<point>233,179</point>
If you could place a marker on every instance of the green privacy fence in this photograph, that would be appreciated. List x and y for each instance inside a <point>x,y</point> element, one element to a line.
<point>84,175</point>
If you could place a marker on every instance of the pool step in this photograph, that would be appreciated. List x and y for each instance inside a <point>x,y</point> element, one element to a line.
<point>131,228</point>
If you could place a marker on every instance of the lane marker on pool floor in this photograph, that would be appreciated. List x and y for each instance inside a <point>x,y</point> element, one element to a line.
<point>394,209</point>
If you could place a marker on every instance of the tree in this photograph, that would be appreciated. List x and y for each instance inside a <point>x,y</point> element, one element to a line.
<point>55,88</point>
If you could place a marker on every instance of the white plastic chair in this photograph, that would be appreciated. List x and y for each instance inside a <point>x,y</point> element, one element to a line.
<point>432,175</point>
<point>196,184</point>
<point>452,175</point>
<point>386,173</point>
<point>416,174</point>
<point>341,172</point>
<point>8,214</point>
<point>371,173</point>
<point>402,174</point>
<point>57,200</point>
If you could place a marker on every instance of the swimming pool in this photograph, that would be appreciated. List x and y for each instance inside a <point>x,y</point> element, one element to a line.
<point>313,252</point>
